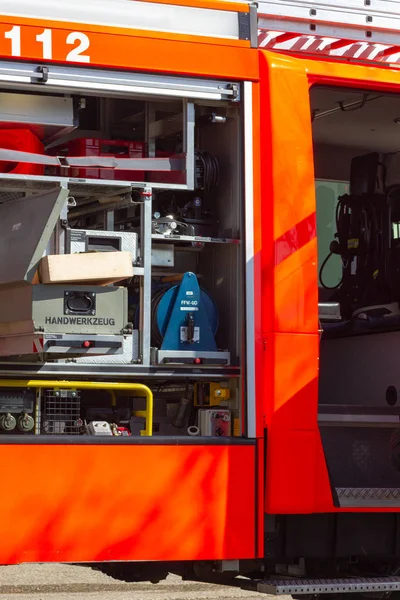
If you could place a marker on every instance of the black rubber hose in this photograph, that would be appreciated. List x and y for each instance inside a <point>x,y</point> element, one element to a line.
<point>327,287</point>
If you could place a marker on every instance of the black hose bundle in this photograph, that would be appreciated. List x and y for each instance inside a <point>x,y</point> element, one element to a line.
<point>358,235</point>
<point>207,171</point>
<point>156,335</point>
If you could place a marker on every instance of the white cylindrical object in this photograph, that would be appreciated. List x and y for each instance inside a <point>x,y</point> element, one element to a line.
<point>193,430</point>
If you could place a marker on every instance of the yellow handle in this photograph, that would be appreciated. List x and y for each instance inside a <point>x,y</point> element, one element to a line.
<point>88,385</point>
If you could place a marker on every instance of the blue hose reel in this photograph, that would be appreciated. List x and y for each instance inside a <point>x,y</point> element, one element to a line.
<point>184,320</point>
<point>185,317</point>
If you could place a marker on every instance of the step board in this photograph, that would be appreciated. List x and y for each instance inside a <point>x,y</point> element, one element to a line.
<point>328,586</point>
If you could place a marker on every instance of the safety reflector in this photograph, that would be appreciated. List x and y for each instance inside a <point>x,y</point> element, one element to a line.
<point>38,345</point>
<point>314,45</point>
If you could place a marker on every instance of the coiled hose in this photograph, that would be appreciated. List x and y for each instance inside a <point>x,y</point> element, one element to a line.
<point>156,335</point>
<point>356,219</point>
<point>207,168</point>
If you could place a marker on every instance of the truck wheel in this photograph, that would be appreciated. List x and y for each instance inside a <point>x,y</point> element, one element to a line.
<point>132,572</point>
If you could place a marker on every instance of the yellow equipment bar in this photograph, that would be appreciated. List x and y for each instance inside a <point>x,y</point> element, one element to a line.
<point>89,385</point>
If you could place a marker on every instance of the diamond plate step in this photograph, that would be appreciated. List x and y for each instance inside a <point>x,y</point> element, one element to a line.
<point>368,497</point>
<point>328,586</point>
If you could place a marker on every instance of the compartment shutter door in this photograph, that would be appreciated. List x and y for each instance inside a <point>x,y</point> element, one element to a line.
<point>54,78</point>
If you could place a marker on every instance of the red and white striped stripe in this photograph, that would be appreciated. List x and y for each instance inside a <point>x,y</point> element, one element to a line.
<point>327,46</point>
<point>38,345</point>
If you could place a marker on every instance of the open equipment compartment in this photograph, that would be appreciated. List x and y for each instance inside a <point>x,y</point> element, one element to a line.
<point>356,146</point>
<point>134,266</point>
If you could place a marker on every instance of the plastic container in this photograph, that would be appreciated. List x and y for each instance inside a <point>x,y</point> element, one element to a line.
<point>22,140</point>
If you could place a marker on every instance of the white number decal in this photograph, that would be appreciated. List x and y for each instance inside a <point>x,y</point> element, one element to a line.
<point>15,36</point>
<point>46,39</point>
<point>76,55</point>
<point>80,40</point>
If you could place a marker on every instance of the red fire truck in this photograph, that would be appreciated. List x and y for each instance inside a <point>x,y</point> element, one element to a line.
<point>199,290</point>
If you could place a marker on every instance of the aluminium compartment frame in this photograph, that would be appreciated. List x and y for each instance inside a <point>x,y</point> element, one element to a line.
<point>20,76</point>
<point>225,23</point>
<point>126,84</point>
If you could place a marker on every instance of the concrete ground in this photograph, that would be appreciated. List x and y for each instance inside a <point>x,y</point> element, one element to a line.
<point>62,582</point>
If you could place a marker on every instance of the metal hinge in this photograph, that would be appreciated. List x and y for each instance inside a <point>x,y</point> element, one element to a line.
<point>42,75</point>
<point>234,87</point>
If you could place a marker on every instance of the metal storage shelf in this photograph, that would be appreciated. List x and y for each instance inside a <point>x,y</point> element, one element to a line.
<point>190,238</point>
<point>78,187</point>
<point>108,371</point>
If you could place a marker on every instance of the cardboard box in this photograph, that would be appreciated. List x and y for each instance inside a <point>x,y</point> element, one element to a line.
<point>95,268</point>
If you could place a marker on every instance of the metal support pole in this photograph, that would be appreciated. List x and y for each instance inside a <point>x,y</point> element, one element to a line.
<point>146,214</point>
<point>188,141</point>
<point>145,287</point>
<point>150,140</point>
<point>109,220</point>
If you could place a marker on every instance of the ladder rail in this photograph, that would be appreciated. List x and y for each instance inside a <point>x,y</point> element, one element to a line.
<point>376,21</point>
